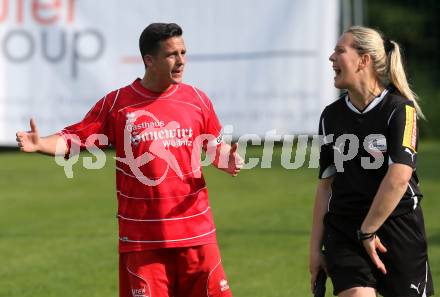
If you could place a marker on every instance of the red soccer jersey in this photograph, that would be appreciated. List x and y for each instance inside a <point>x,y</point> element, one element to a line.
<point>162,195</point>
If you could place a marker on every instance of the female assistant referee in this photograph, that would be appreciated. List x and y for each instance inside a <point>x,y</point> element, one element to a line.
<point>367,212</point>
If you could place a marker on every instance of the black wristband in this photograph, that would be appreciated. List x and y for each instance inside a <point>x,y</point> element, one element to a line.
<point>361,236</point>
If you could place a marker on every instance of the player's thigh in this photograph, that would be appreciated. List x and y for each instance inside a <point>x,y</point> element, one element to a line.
<point>358,292</point>
<point>201,273</point>
<point>146,273</point>
<point>348,265</point>
<point>407,257</point>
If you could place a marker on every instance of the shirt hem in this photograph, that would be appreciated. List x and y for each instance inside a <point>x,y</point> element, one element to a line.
<point>145,247</point>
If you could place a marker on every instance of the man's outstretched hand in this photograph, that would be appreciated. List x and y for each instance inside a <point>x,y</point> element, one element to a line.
<point>29,141</point>
<point>227,159</point>
<point>235,162</point>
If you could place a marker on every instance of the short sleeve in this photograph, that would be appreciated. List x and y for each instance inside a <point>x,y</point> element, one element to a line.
<point>403,136</point>
<point>212,124</point>
<point>326,162</point>
<point>94,125</point>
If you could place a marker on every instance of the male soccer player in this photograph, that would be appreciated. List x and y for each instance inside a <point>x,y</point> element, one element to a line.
<point>157,124</point>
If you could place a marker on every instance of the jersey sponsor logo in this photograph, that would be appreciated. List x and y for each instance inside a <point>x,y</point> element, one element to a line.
<point>224,286</point>
<point>177,142</point>
<point>407,150</point>
<point>410,132</point>
<point>339,148</point>
<point>155,148</point>
<point>376,143</point>
<point>416,287</point>
<point>346,148</point>
<point>131,125</point>
<point>142,292</point>
<point>171,134</point>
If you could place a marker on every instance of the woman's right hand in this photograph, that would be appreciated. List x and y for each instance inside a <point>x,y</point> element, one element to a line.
<point>316,263</point>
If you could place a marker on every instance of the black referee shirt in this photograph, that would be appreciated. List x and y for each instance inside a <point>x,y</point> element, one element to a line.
<point>358,146</point>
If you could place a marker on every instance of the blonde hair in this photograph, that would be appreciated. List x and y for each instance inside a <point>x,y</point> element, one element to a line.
<point>387,60</point>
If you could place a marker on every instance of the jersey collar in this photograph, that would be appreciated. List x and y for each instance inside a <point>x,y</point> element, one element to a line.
<point>141,90</point>
<point>370,106</point>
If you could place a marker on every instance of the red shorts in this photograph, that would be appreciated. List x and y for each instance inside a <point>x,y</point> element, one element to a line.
<point>173,272</point>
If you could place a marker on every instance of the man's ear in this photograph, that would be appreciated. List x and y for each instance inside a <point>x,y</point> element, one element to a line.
<point>148,60</point>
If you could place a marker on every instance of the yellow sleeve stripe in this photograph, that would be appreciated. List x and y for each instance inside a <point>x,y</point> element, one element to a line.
<point>410,132</point>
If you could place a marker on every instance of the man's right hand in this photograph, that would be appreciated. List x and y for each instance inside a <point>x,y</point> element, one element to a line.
<point>29,141</point>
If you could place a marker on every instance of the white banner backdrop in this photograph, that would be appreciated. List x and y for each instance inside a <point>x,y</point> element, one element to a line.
<point>264,64</point>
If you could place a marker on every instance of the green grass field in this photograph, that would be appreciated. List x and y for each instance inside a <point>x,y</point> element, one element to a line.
<point>58,236</point>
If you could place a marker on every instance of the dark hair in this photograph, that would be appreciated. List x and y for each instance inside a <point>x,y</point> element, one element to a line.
<point>152,35</point>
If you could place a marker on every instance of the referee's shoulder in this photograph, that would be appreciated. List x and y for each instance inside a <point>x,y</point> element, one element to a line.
<point>396,99</point>
<point>337,104</point>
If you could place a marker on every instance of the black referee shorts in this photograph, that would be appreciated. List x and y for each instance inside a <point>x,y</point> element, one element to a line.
<point>406,261</point>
